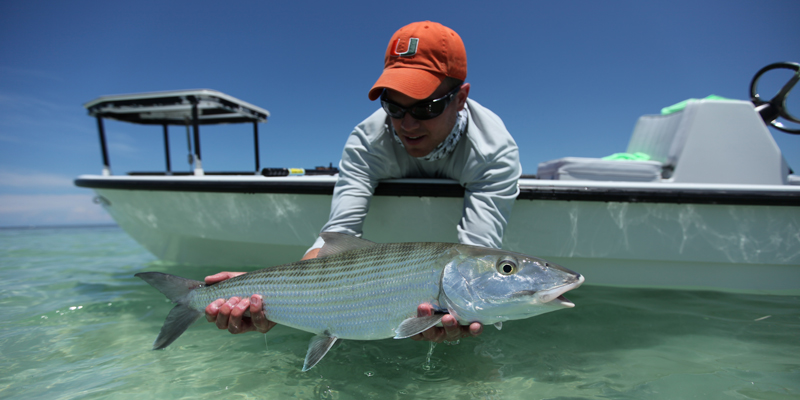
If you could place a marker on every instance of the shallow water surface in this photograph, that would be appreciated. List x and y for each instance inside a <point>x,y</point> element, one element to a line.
<point>76,324</point>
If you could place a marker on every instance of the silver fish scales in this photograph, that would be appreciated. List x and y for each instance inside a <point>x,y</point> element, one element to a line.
<point>357,289</point>
<point>338,294</point>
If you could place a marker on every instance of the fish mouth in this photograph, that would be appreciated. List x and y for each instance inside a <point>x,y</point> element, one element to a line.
<point>563,302</point>
<point>555,296</point>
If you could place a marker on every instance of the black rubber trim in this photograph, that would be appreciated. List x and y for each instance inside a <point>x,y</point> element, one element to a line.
<point>648,195</point>
<point>623,195</point>
<point>289,187</point>
<point>273,186</point>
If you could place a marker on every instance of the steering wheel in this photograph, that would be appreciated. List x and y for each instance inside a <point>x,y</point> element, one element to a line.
<point>776,107</point>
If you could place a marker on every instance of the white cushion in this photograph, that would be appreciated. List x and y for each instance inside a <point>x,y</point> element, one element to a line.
<point>595,169</point>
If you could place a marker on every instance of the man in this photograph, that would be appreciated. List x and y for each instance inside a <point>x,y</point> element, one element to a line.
<point>427,127</point>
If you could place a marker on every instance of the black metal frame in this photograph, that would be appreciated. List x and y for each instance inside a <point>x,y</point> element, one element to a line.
<point>223,111</point>
<point>103,147</point>
<point>166,149</point>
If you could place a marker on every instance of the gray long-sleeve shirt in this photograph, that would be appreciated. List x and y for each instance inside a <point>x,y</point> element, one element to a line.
<point>485,162</point>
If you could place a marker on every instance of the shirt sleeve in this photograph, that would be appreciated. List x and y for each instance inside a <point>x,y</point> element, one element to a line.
<point>360,169</point>
<point>491,188</point>
<point>490,177</point>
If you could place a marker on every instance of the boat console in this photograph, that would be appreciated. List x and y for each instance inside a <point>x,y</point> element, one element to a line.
<point>706,141</point>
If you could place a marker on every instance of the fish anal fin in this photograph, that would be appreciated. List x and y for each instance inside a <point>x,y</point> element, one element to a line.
<point>415,325</point>
<point>336,243</point>
<point>317,349</point>
<point>498,325</point>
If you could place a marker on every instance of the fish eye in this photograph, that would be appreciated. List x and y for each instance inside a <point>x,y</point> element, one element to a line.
<point>506,267</point>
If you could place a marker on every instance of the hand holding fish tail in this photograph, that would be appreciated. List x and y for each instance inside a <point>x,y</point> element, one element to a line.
<point>230,314</point>
<point>451,331</point>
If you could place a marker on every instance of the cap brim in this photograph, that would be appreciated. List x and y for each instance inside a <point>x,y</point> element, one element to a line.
<point>413,82</point>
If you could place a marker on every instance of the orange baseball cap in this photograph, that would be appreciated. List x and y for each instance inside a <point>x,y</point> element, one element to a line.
<point>419,57</point>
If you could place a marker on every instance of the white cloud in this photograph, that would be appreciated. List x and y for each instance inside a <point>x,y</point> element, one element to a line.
<point>38,210</point>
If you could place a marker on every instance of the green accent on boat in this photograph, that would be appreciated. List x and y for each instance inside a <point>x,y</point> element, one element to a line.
<point>638,156</point>
<point>680,106</point>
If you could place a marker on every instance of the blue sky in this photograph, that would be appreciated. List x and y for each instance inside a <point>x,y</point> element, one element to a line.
<point>569,78</point>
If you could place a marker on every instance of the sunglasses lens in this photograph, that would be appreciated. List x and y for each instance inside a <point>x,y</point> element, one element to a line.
<point>423,111</point>
<point>429,110</point>
<point>393,110</point>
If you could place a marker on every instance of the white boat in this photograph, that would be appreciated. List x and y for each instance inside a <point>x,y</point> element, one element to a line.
<point>716,207</point>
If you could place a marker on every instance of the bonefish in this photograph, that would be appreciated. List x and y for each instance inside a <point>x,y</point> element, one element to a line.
<point>360,290</point>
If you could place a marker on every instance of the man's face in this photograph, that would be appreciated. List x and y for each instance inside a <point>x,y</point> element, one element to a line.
<point>421,137</point>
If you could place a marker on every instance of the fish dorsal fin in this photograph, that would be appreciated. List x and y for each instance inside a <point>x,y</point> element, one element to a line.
<point>336,243</point>
<point>317,349</point>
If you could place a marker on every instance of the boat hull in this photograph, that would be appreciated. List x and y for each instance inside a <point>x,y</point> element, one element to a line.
<point>735,247</point>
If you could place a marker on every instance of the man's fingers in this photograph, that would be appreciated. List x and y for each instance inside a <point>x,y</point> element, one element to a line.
<point>225,312</point>
<point>475,329</point>
<point>424,310</point>
<point>260,321</point>
<point>451,328</point>
<point>237,324</point>
<point>213,309</point>
<point>221,276</point>
<point>434,334</point>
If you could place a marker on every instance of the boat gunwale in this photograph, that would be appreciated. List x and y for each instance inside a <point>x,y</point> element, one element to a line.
<point>530,189</point>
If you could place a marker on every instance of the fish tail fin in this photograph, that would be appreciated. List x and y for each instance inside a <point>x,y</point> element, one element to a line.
<point>174,287</point>
<point>182,315</point>
<point>178,320</point>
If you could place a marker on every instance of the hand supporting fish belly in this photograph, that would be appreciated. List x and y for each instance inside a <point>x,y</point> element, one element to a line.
<point>450,331</point>
<point>355,280</point>
<point>239,315</point>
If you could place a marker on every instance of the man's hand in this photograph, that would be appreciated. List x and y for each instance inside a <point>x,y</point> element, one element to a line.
<point>451,332</point>
<point>230,314</point>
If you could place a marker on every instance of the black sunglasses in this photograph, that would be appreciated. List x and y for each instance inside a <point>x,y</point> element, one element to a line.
<point>422,110</point>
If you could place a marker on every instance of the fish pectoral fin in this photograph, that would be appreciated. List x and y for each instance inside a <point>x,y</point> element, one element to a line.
<point>317,349</point>
<point>498,325</point>
<point>415,325</point>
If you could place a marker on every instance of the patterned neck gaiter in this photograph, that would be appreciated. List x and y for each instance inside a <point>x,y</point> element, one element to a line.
<point>449,143</point>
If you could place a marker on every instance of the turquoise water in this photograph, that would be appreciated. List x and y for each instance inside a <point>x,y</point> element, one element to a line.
<point>76,324</point>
